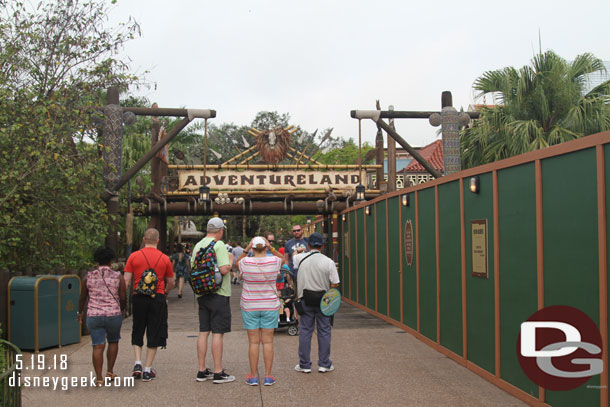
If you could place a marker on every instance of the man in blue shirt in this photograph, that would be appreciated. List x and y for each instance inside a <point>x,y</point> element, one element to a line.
<point>298,244</point>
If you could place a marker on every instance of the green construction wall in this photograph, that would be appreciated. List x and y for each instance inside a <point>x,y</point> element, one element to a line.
<point>450,267</point>
<point>569,246</point>
<point>606,154</point>
<point>409,278</point>
<point>382,259</point>
<point>427,263</point>
<point>394,259</point>
<point>360,247</point>
<point>350,277</point>
<point>480,291</point>
<point>517,256</point>
<point>371,256</point>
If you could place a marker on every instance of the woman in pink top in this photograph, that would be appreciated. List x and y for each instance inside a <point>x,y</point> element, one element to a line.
<point>260,304</point>
<point>103,290</point>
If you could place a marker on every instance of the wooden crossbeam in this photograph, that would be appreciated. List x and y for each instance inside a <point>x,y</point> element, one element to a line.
<point>249,158</point>
<point>303,155</point>
<point>238,156</point>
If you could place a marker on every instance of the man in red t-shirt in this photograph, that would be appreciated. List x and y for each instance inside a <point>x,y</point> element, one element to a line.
<point>149,314</point>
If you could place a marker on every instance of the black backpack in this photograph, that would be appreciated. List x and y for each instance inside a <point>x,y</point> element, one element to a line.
<point>148,281</point>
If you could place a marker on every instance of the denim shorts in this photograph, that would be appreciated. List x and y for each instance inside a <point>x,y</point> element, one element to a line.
<point>101,328</point>
<point>260,319</point>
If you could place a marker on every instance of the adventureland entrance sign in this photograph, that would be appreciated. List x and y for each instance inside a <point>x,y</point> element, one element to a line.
<point>267,180</point>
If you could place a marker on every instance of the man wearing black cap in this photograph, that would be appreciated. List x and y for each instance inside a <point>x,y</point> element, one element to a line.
<point>317,274</point>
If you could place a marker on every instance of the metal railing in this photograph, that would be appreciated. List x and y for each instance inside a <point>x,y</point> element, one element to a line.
<point>10,395</point>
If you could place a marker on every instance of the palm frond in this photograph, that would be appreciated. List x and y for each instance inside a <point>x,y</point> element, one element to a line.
<point>584,64</point>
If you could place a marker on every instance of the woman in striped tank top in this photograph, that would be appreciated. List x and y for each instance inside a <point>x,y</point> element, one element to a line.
<point>103,291</point>
<point>260,304</point>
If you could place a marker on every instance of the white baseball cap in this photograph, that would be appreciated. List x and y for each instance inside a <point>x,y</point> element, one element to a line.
<point>216,223</point>
<point>258,241</point>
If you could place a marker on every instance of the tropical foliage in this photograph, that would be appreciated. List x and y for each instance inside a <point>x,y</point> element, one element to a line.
<point>540,105</point>
<point>55,61</point>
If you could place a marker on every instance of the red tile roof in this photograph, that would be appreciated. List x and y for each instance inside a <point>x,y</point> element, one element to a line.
<point>433,153</point>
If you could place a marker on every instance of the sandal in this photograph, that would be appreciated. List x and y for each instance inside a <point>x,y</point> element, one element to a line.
<point>111,375</point>
<point>99,383</point>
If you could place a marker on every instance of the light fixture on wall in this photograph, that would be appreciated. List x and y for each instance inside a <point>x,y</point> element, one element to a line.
<point>405,200</point>
<point>308,220</point>
<point>204,193</point>
<point>367,210</point>
<point>360,192</point>
<point>475,184</point>
<point>343,218</point>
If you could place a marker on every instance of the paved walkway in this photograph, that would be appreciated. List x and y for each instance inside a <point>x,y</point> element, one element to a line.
<point>376,364</point>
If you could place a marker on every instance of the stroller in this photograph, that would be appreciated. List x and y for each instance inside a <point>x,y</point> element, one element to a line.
<point>287,313</point>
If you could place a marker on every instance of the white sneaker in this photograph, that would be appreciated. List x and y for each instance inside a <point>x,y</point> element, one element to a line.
<point>298,368</point>
<point>326,369</point>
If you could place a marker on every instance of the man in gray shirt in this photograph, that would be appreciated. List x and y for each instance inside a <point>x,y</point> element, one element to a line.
<point>237,251</point>
<point>316,275</point>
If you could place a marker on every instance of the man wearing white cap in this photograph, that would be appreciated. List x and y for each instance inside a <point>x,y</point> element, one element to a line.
<point>214,309</point>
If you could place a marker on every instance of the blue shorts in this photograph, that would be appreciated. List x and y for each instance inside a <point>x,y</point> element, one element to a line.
<point>260,319</point>
<point>102,327</point>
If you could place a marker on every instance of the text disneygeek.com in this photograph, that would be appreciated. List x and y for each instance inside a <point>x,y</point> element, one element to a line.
<point>43,363</point>
<point>65,383</point>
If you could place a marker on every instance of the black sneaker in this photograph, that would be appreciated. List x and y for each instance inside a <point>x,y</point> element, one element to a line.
<point>148,376</point>
<point>137,371</point>
<point>205,375</point>
<point>223,377</point>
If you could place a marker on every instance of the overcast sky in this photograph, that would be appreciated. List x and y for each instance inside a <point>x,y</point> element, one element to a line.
<point>317,60</point>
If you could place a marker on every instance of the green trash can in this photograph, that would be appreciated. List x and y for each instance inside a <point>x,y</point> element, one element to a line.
<point>69,293</point>
<point>33,312</point>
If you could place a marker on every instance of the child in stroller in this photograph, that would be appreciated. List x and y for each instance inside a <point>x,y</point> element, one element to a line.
<point>287,316</point>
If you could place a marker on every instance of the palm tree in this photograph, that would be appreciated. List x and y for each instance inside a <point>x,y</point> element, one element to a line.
<point>540,105</point>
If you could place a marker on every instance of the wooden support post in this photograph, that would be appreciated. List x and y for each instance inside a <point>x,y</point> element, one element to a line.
<point>391,158</point>
<point>335,236</point>
<point>379,156</point>
<point>410,149</point>
<point>163,233</point>
<point>450,125</point>
<point>155,162</point>
<point>154,150</point>
<point>113,135</point>
<point>155,175</point>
